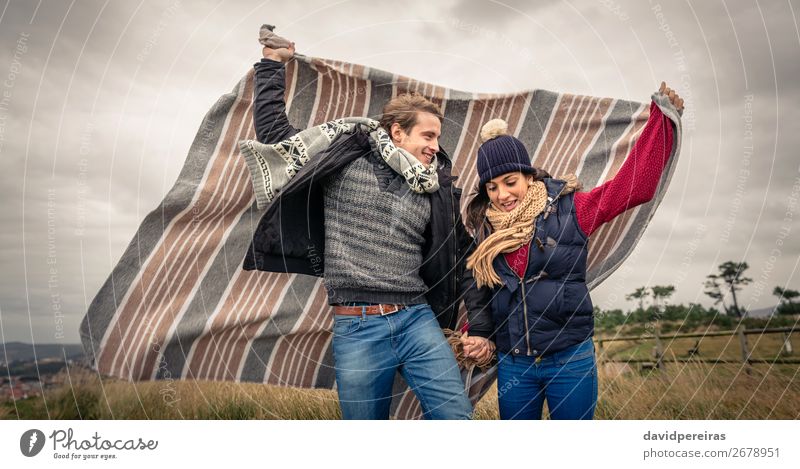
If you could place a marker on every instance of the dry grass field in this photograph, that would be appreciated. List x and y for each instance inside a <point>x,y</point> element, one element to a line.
<point>682,391</point>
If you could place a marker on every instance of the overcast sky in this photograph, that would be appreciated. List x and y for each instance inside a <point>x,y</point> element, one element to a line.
<point>99,102</point>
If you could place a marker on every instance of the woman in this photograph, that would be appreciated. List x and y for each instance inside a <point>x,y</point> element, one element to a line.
<point>530,264</point>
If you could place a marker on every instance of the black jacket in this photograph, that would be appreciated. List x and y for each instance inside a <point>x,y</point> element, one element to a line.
<point>291,234</point>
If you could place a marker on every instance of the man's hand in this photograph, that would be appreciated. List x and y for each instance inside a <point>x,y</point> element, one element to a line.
<point>284,54</point>
<point>478,348</point>
<point>676,100</point>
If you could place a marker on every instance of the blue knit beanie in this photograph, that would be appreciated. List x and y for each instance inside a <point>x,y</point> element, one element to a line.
<point>500,152</point>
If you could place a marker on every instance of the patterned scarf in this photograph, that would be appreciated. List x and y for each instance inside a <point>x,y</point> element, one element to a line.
<point>272,166</point>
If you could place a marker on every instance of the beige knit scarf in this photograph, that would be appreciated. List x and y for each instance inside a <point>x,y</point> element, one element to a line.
<point>511,230</point>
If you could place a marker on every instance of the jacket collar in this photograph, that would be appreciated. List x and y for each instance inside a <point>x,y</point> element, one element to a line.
<point>509,277</point>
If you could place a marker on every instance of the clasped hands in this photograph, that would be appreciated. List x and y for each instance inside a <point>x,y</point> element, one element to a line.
<point>479,349</point>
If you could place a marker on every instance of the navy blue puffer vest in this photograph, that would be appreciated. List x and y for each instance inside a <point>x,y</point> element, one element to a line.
<point>549,309</point>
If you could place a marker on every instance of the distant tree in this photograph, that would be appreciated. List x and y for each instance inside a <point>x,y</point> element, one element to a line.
<point>786,297</point>
<point>661,292</point>
<point>640,295</point>
<point>730,279</point>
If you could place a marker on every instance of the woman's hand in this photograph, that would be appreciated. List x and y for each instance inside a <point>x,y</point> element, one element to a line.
<point>676,100</point>
<point>478,348</point>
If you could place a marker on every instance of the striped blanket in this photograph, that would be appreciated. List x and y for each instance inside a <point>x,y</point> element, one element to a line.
<point>178,304</point>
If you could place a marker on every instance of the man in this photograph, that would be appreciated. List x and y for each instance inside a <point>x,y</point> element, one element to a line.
<point>392,257</point>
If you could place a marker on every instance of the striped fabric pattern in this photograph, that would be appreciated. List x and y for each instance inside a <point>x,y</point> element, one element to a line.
<point>178,304</point>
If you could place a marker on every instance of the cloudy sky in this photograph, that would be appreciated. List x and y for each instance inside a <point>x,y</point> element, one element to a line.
<point>99,102</point>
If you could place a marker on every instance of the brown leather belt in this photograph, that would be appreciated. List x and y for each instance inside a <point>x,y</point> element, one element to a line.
<point>382,309</point>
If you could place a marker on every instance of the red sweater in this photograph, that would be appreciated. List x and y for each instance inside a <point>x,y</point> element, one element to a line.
<point>634,184</point>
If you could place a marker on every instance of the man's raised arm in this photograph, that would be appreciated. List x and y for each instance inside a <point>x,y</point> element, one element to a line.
<point>269,107</point>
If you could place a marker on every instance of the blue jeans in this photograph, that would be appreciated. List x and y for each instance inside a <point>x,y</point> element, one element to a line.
<point>567,379</point>
<point>369,350</point>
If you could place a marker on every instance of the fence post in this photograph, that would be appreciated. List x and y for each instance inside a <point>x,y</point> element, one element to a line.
<point>659,347</point>
<point>787,344</point>
<point>600,353</point>
<point>743,344</point>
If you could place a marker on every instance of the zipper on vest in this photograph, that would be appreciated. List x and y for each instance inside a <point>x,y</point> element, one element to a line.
<point>455,250</point>
<point>522,280</point>
<point>524,302</point>
<point>525,317</point>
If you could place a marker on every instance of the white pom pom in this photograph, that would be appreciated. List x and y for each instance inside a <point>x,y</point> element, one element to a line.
<point>493,128</point>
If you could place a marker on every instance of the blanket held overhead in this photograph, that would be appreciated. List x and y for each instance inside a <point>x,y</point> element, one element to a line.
<point>178,305</point>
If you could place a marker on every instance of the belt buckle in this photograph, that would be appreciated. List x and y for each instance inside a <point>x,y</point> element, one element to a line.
<point>386,313</point>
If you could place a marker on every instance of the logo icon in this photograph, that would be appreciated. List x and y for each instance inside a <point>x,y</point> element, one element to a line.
<point>31,442</point>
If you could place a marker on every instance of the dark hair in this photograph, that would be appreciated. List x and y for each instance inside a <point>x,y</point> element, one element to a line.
<point>476,210</point>
<point>403,110</point>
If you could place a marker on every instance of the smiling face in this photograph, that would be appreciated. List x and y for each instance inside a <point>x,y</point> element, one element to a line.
<point>422,140</point>
<point>508,190</point>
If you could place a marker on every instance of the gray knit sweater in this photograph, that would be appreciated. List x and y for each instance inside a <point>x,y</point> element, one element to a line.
<point>374,227</point>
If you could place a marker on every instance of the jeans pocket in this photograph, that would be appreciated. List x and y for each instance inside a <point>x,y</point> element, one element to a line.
<point>580,366</point>
<point>415,308</point>
<point>343,326</point>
